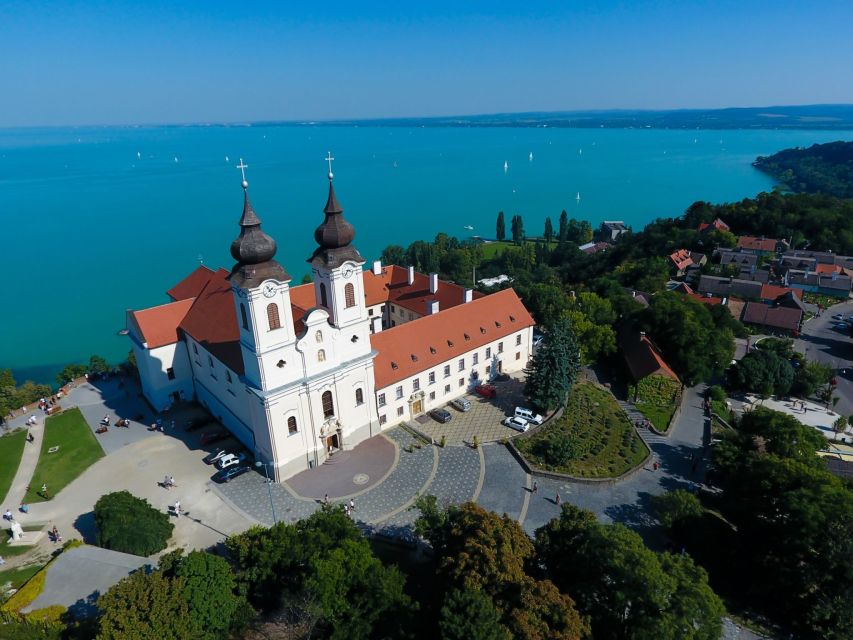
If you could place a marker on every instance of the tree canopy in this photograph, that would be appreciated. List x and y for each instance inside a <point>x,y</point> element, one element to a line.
<point>763,371</point>
<point>553,368</point>
<point>821,168</point>
<point>130,524</point>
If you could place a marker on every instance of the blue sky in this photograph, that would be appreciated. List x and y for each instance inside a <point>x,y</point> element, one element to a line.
<point>155,61</point>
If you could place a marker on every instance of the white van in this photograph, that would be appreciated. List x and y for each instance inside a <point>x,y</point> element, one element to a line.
<point>527,414</point>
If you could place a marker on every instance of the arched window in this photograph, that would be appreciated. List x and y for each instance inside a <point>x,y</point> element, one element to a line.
<point>328,405</point>
<point>243,316</point>
<point>323,301</point>
<point>349,295</point>
<point>291,425</point>
<point>321,355</point>
<point>272,316</point>
<point>318,337</point>
<point>359,397</point>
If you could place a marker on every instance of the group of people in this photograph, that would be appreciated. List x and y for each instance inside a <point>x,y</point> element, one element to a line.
<point>46,403</point>
<point>349,507</point>
<point>168,482</point>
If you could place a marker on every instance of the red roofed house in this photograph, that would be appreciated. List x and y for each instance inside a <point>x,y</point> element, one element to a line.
<point>761,246</point>
<point>716,225</point>
<point>298,373</point>
<point>679,261</point>
<point>643,357</point>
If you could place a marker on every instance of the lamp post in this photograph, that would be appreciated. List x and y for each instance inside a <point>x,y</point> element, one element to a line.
<point>269,488</point>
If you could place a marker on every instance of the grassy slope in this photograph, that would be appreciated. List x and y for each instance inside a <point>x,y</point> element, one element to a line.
<point>594,417</point>
<point>11,450</point>
<point>78,450</point>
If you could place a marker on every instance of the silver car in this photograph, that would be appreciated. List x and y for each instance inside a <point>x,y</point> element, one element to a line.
<point>461,404</point>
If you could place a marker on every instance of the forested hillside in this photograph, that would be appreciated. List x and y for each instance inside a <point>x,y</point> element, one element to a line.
<point>822,168</point>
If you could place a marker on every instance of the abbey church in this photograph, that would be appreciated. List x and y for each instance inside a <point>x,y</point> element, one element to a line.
<point>297,373</point>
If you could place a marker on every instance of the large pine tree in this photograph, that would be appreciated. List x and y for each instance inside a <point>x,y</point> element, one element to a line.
<point>500,227</point>
<point>554,368</point>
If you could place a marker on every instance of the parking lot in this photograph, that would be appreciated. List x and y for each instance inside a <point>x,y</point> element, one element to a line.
<point>483,420</point>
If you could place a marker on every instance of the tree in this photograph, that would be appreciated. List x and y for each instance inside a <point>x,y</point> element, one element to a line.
<point>470,615</point>
<point>209,587</point>
<point>130,524</point>
<point>628,590</point>
<point>563,233</point>
<point>781,435</point>
<point>809,377</point>
<point>145,606</point>
<point>839,425</point>
<point>500,227</point>
<point>592,318</point>
<point>549,231</point>
<point>553,368</point>
<point>763,369</point>
<point>517,227</point>
<point>98,365</point>
<point>70,372</point>
<point>684,330</point>
<point>674,507</point>
<point>393,254</point>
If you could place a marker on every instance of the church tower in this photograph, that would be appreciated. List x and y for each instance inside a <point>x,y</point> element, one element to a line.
<point>337,266</point>
<point>261,289</point>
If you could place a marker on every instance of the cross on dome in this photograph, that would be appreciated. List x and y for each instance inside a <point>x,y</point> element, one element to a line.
<point>329,159</point>
<point>242,167</point>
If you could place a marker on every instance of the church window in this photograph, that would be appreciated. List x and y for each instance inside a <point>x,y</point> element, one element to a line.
<point>476,358</point>
<point>432,395</point>
<point>488,352</point>
<point>349,295</point>
<point>518,340</point>
<point>383,419</point>
<point>399,411</point>
<point>170,373</point>
<point>518,355</point>
<point>432,377</point>
<point>416,384</point>
<point>399,392</point>
<point>328,405</point>
<point>462,364</point>
<point>359,397</point>
<point>370,312</point>
<point>447,371</point>
<point>461,382</point>
<point>244,319</point>
<point>323,300</point>
<point>318,337</point>
<point>272,316</point>
<point>381,399</point>
<point>446,389</point>
<point>321,355</point>
<point>500,347</point>
<point>291,425</point>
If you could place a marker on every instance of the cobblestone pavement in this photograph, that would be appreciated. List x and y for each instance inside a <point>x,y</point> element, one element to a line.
<point>504,485</point>
<point>484,418</point>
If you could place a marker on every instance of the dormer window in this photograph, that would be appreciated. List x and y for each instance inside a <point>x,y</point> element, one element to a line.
<point>432,350</point>
<point>414,358</point>
<point>450,343</point>
<point>393,365</point>
<point>482,330</point>
<point>467,337</point>
<point>512,318</point>
<point>497,324</point>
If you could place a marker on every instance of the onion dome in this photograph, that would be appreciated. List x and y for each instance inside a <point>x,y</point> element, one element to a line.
<point>334,235</point>
<point>254,251</point>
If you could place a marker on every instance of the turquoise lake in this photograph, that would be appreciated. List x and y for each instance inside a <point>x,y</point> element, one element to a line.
<point>99,220</point>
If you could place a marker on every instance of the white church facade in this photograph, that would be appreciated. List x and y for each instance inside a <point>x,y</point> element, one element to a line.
<point>298,373</point>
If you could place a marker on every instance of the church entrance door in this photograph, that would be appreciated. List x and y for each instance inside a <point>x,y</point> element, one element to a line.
<point>417,407</point>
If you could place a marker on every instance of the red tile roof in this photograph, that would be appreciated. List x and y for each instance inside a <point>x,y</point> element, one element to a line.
<point>681,259</point>
<point>757,244</point>
<point>190,286</point>
<point>595,248</point>
<point>158,326</point>
<point>828,268</point>
<point>429,341</point>
<point>643,357</point>
<point>212,322</point>
<point>771,292</point>
<point>779,317</point>
<point>716,224</point>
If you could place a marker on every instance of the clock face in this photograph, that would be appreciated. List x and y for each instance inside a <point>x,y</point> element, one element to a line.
<point>269,290</point>
<point>347,271</point>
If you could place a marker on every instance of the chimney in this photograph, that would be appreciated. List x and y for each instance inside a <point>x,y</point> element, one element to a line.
<point>377,324</point>
<point>469,295</point>
<point>432,307</point>
<point>411,276</point>
<point>377,267</point>
<point>433,282</point>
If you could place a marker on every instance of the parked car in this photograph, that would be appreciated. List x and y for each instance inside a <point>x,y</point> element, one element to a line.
<point>486,390</point>
<point>226,475</point>
<point>537,340</point>
<point>519,424</point>
<point>440,415</point>
<point>461,404</point>
<point>209,437</point>
<point>527,414</point>
<point>214,455</point>
<point>231,460</point>
<point>839,316</point>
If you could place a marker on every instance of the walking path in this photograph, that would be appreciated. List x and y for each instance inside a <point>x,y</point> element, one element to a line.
<point>27,467</point>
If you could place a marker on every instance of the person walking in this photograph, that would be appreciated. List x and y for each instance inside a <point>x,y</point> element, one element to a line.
<point>535,487</point>
<point>351,505</point>
<point>166,482</point>
<point>178,508</point>
<point>44,491</point>
<point>557,500</point>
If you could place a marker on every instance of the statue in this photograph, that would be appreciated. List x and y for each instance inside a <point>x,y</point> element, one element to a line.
<point>17,532</point>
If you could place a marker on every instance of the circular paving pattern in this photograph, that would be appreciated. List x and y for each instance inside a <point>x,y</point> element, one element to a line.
<point>360,478</point>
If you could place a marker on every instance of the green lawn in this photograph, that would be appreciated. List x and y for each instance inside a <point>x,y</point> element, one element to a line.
<point>593,438</point>
<point>19,575</point>
<point>11,450</point>
<point>659,416</point>
<point>78,450</point>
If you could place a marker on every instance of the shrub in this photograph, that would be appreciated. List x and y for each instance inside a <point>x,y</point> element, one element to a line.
<point>717,393</point>
<point>674,507</point>
<point>130,524</point>
<point>26,594</point>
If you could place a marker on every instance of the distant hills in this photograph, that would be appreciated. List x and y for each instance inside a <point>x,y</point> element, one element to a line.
<point>821,168</point>
<point>827,116</point>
